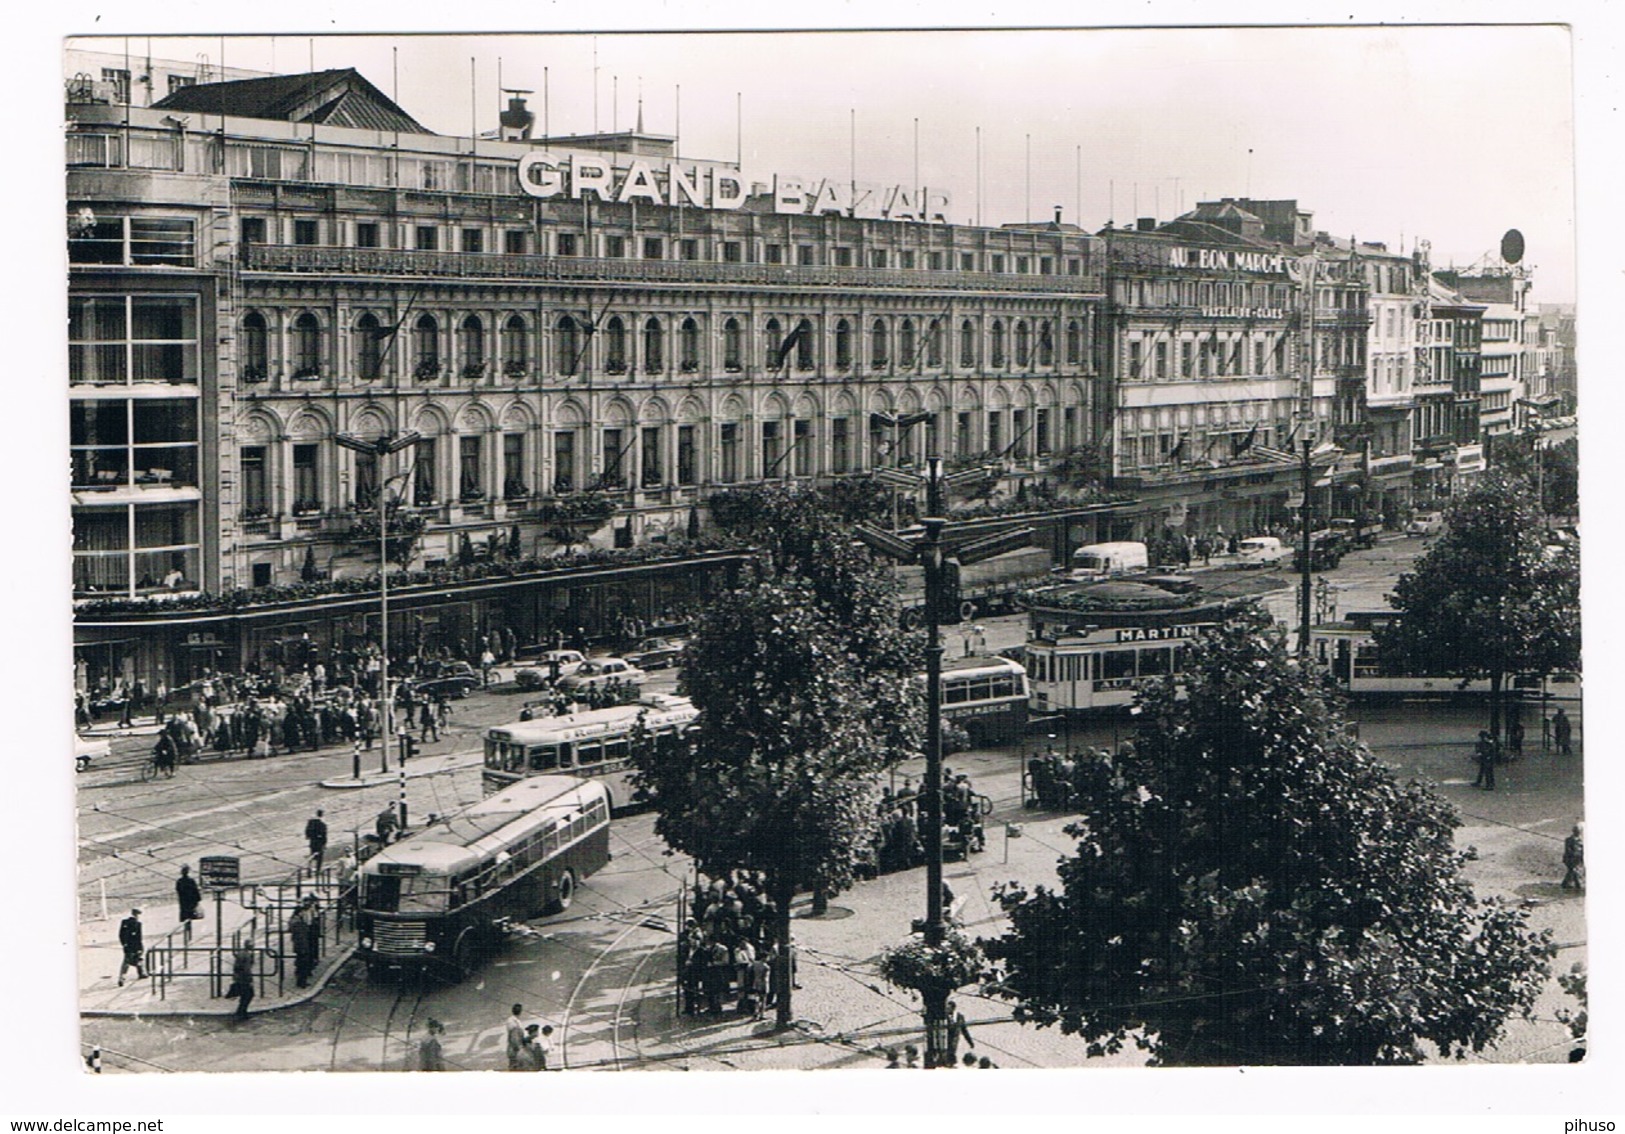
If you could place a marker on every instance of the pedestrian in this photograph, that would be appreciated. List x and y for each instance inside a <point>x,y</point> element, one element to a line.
<point>387,825</point>
<point>316,839</point>
<point>1574,859</point>
<point>1562,732</point>
<point>431,1057</point>
<point>893,1060</point>
<point>911,1058</point>
<point>188,895</point>
<point>538,1045</point>
<point>1484,752</point>
<point>1514,738</point>
<point>242,981</point>
<point>129,938</point>
<point>516,1039</point>
<point>304,934</point>
<point>427,721</point>
<point>957,1029</point>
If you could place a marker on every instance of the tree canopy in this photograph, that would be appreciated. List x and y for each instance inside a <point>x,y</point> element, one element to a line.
<point>1251,886</point>
<point>1491,597</point>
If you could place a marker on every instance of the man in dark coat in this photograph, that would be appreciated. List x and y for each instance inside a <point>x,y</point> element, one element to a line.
<point>1485,752</point>
<point>242,981</point>
<point>1574,859</point>
<point>129,938</point>
<point>316,839</point>
<point>188,895</point>
<point>304,935</point>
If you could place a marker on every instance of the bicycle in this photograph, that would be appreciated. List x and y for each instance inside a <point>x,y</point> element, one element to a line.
<point>151,769</point>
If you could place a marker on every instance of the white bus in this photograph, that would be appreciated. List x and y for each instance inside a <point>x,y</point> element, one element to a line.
<point>986,696</point>
<point>437,902</point>
<point>595,743</point>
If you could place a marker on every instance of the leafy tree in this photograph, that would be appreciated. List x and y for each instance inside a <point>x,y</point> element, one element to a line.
<point>1555,469</point>
<point>802,538</point>
<point>782,772</point>
<point>1252,886</point>
<point>1489,599</point>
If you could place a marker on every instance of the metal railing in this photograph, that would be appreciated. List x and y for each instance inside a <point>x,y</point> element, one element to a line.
<point>523,266</point>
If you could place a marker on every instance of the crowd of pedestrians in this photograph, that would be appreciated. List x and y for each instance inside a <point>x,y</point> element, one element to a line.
<point>897,844</point>
<point>726,949</point>
<point>1060,781</point>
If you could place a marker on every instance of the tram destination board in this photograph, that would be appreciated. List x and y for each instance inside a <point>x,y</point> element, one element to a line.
<point>219,872</point>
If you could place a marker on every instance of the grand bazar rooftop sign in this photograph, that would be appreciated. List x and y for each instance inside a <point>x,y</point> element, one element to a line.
<point>544,175</point>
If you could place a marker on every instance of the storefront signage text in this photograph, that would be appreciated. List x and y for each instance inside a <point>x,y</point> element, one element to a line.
<point>575,176</point>
<point>1226,260</point>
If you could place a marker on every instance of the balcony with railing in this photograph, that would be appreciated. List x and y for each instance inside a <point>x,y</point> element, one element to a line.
<point>502,265</point>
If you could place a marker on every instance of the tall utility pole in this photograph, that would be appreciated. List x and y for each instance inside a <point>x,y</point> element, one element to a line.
<point>1305,548</point>
<point>380,448</point>
<point>941,562</point>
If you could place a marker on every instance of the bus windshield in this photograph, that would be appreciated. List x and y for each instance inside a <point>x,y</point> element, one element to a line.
<point>405,893</point>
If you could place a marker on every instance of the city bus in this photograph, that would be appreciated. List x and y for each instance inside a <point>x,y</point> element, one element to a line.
<point>594,744</point>
<point>987,697</point>
<point>438,901</point>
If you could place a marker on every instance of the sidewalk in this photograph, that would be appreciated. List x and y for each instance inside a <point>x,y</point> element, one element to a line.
<point>187,995</point>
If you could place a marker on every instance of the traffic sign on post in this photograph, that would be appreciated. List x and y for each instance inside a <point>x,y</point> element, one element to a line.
<point>219,872</point>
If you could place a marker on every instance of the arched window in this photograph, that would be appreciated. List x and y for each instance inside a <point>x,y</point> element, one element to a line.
<point>615,346</point>
<point>426,347</point>
<point>1024,344</point>
<point>967,343</point>
<point>307,347</point>
<point>654,348</point>
<point>805,359</point>
<point>773,344</point>
<point>733,347</point>
<point>689,347</point>
<point>471,347</point>
<point>515,347</point>
<point>996,346</point>
<point>843,345</point>
<point>369,353</point>
<point>1046,344</point>
<point>879,345</point>
<point>567,339</point>
<point>933,344</point>
<point>256,348</point>
<point>1074,342</point>
<point>905,343</point>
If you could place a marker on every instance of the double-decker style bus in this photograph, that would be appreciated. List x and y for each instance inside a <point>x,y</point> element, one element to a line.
<point>1092,646</point>
<point>986,696</point>
<point>437,902</point>
<point>594,744</point>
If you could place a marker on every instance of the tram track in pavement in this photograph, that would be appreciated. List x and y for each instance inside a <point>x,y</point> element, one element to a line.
<point>602,974</point>
<point>348,1018</point>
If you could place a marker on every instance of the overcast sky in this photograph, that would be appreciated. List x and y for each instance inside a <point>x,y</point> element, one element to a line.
<point>1450,134</point>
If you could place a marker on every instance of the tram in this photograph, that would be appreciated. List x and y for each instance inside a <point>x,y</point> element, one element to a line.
<point>438,901</point>
<point>1092,646</point>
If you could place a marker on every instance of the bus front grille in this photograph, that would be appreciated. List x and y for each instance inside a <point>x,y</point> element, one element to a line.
<point>399,937</point>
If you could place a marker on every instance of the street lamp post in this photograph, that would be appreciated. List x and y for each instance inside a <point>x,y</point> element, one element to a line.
<point>380,448</point>
<point>934,554</point>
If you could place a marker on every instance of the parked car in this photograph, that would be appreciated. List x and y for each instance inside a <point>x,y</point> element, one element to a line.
<point>85,750</point>
<point>1425,524</point>
<point>547,664</point>
<point>456,686</point>
<point>601,671</point>
<point>1326,550</point>
<point>1261,551</point>
<point>655,653</point>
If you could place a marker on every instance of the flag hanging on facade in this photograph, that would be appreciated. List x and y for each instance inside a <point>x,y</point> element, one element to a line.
<point>1237,448</point>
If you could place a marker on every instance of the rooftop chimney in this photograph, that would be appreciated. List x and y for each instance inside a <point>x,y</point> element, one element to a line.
<point>1146,224</point>
<point>516,120</point>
